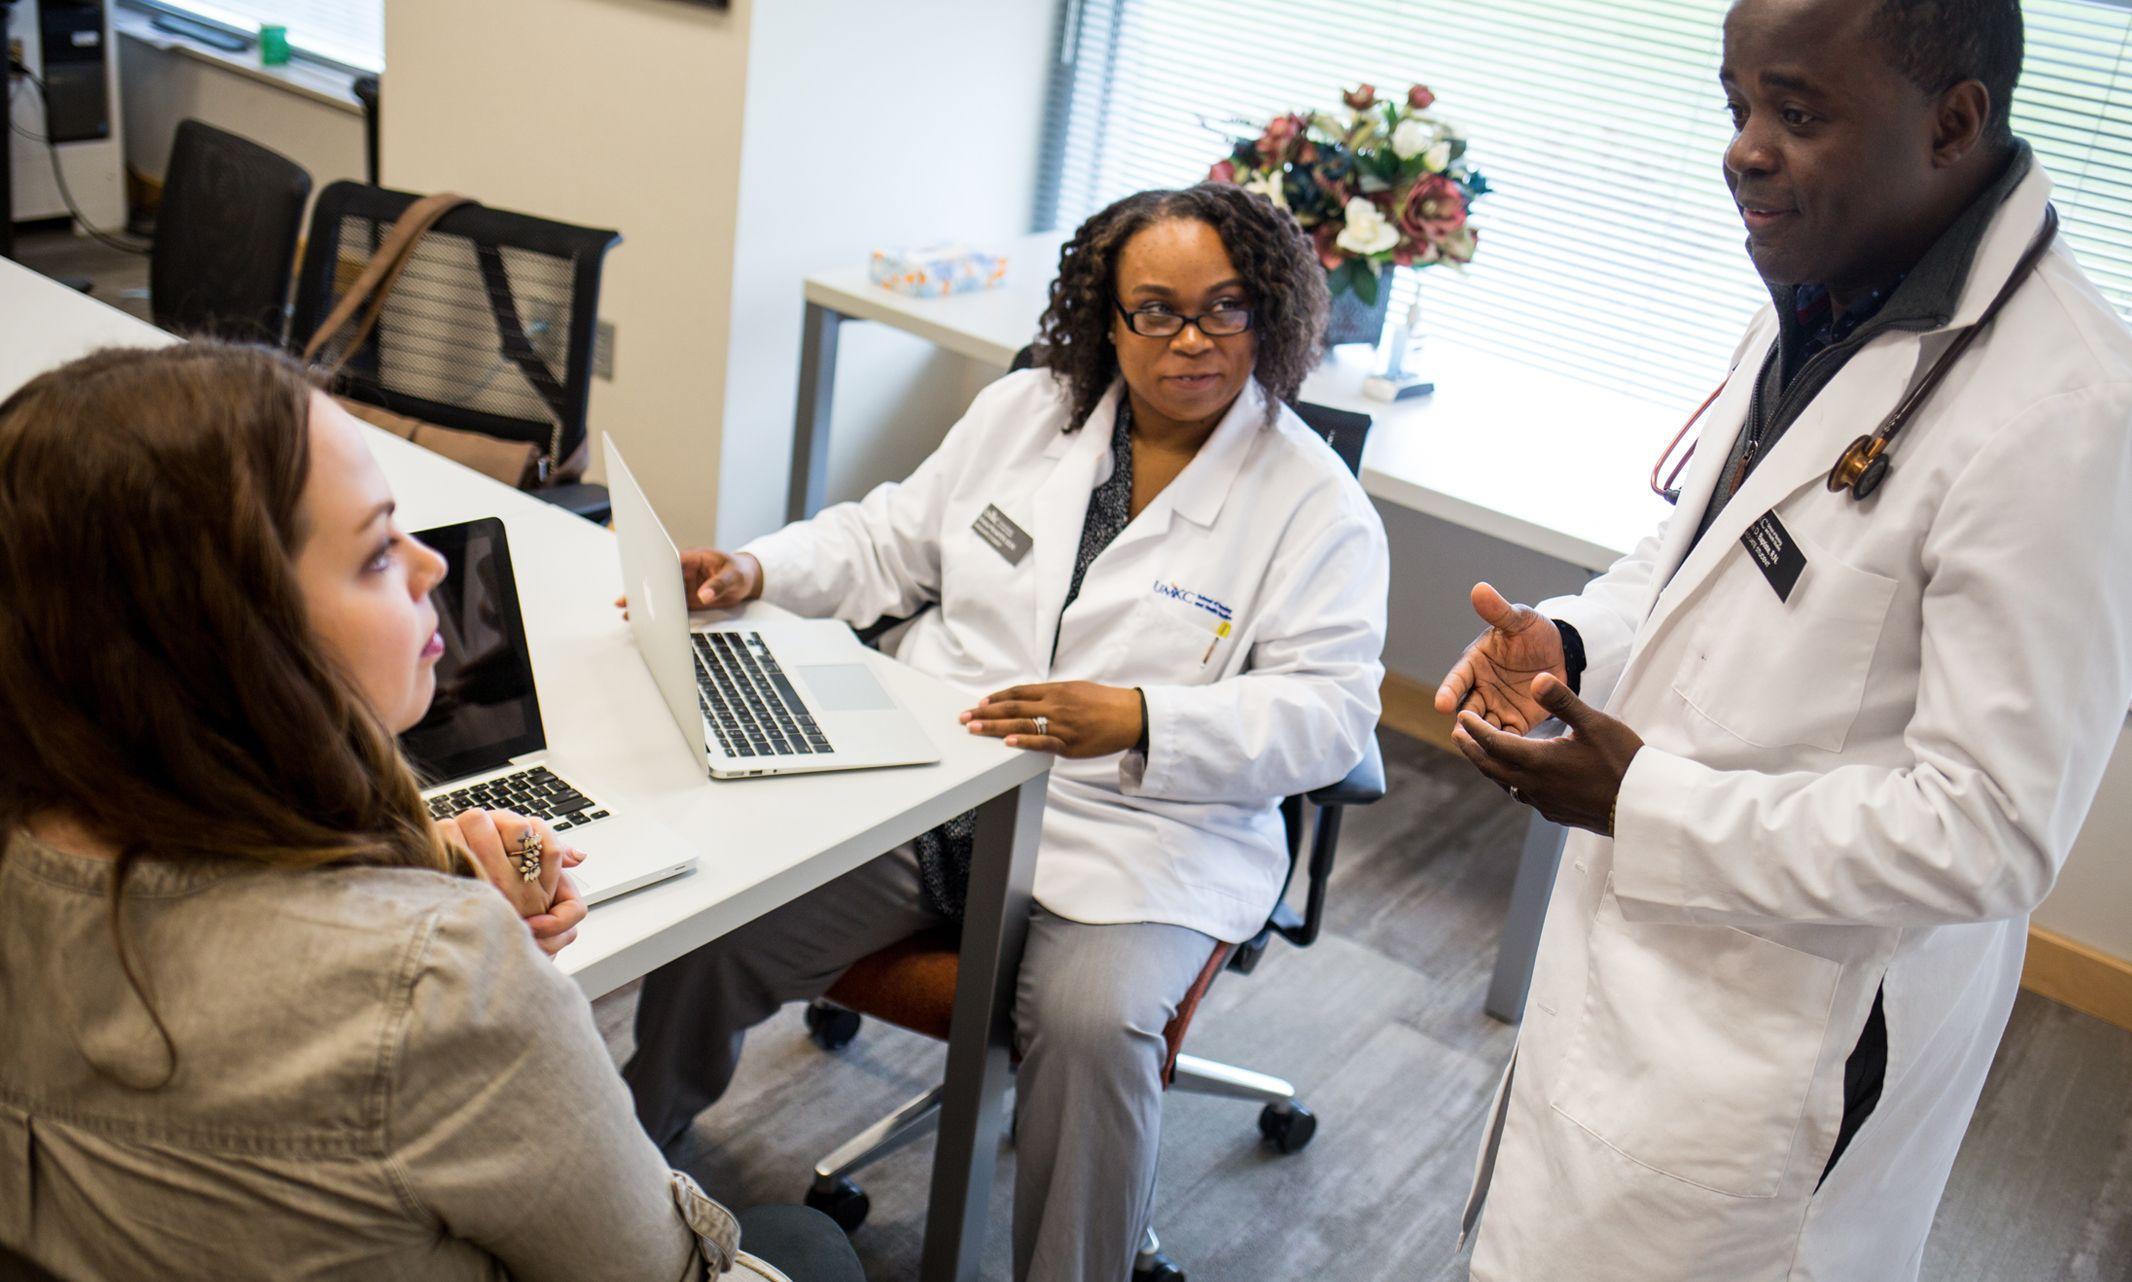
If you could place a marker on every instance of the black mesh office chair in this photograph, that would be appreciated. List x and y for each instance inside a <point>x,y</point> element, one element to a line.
<point>489,329</point>
<point>225,236</point>
<point>912,984</point>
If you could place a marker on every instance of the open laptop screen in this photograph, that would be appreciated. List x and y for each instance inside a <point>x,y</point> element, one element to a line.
<point>486,711</point>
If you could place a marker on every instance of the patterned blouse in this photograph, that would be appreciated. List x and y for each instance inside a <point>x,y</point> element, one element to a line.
<point>944,852</point>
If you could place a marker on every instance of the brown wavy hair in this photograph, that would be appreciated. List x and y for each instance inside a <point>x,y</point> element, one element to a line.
<point>159,681</point>
<point>1271,253</point>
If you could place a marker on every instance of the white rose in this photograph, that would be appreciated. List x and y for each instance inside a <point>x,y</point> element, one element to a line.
<point>1412,138</point>
<point>1367,230</point>
<point>1438,158</point>
<point>1269,185</point>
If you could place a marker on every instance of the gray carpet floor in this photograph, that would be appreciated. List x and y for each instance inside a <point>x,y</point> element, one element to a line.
<point>1380,1027</point>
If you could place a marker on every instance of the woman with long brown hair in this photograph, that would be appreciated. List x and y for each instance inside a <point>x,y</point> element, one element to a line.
<point>262,1015</point>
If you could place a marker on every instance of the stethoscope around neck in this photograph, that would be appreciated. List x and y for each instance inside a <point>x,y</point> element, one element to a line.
<point>1864,464</point>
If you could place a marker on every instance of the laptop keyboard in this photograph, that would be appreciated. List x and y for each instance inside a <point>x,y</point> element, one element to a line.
<point>748,701</point>
<point>536,791</point>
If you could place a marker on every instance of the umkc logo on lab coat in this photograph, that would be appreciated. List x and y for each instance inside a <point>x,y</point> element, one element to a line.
<point>1207,603</point>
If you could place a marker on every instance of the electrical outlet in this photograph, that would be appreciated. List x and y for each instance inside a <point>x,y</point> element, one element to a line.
<point>603,350</point>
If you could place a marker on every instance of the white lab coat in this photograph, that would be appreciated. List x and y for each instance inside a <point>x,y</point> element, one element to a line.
<point>1265,531</point>
<point>1873,784</point>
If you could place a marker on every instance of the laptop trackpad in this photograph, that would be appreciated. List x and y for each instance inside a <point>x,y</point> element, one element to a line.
<point>845,687</point>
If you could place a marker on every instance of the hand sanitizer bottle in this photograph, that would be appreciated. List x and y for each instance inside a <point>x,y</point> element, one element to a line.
<point>1394,382</point>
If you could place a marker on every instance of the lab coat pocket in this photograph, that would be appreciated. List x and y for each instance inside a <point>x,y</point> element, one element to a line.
<point>1695,1051</point>
<point>1775,673</point>
<point>1179,642</point>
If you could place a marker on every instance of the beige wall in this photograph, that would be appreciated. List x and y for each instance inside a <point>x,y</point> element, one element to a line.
<point>611,113</point>
<point>856,138</point>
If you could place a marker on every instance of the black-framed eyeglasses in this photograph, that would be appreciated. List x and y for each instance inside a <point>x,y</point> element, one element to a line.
<point>1223,320</point>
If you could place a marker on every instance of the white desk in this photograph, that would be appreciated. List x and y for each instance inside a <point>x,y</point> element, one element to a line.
<point>762,842</point>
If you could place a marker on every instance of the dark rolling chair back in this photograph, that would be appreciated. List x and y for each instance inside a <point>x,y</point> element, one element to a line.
<point>489,329</point>
<point>225,237</point>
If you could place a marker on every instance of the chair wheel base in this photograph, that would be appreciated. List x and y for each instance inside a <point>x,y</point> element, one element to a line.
<point>1157,1268</point>
<point>832,1027</point>
<point>845,1202</point>
<point>1287,1130</point>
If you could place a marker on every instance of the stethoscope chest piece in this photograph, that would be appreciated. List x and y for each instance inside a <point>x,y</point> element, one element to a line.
<point>1862,468</point>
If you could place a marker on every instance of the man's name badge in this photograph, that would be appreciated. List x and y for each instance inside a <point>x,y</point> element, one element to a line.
<point>1775,554</point>
<point>1006,538</point>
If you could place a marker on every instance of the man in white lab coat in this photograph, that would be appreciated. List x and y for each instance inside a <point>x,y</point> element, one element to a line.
<point>1849,733</point>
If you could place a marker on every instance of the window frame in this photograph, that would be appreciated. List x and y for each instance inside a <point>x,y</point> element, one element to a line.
<point>297,50</point>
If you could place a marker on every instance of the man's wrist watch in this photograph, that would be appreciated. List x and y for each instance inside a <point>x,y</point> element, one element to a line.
<point>1572,655</point>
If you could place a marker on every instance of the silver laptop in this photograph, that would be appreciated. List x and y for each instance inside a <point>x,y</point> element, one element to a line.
<point>753,698</point>
<point>483,741</point>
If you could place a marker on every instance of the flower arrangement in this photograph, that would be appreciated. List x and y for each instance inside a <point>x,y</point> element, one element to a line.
<point>1386,185</point>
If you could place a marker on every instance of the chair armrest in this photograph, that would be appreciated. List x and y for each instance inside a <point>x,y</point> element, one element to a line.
<point>1363,785</point>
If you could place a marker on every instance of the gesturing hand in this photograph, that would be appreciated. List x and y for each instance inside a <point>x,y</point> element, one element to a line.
<point>1573,780</point>
<point>1081,718</point>
<point>714,580</point>
<point>1494,676</point>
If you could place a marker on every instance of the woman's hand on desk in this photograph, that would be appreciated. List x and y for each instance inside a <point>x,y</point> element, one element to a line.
<point>495,839</point>
<point>715,580</point>
<point>1081,718</point>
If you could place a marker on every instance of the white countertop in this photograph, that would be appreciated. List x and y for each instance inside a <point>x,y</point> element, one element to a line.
<point>1509,450</point>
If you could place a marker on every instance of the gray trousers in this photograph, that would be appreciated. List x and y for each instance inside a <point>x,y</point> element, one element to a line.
<point>1090,1006</point>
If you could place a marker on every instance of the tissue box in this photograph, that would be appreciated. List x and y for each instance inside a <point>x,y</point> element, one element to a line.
<point>937,270</point>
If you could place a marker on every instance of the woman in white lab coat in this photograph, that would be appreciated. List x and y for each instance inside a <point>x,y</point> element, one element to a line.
<point>1138,559</point>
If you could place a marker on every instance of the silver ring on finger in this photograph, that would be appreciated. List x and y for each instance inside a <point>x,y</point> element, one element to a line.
<point>1043,727</point>
<point>529,855</point>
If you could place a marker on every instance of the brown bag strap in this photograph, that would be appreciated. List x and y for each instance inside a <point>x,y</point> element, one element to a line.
<point>374,286</point>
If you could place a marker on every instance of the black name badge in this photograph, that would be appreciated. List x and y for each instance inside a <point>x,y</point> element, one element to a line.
<point>1775,554</point>
<point>1006,538</point>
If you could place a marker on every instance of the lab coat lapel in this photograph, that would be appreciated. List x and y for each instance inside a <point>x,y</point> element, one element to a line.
<point>1200,490</point>
<point>1719,429</point>
<point>1059,509</point>
<point>1853,403</point>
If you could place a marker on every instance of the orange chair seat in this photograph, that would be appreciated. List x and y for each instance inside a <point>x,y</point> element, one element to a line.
<point>912,985</point>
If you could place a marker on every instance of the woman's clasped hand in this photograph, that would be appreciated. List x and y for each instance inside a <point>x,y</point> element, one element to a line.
<point>522,859</point>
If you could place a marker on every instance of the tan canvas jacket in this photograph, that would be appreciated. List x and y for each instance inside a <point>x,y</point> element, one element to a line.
<point>376,1075</point>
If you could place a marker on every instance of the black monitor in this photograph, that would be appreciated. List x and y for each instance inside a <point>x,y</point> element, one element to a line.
<point>486,710</point>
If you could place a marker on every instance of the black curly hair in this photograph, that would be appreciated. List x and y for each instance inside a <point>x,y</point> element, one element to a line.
<point>1271,253</point>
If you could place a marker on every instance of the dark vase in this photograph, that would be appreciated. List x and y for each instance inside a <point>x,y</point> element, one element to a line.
<point>1354,321</point>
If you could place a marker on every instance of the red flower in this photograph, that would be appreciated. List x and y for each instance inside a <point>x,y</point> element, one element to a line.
<point>1434,208</point>
<point>1360,97</point>
<point>1329,254</point>
<point>1224,171</point>
<point>1419,97</point>
<point>1282,133</point>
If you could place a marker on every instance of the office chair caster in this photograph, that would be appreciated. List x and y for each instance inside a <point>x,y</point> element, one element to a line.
<point>845,1202</point>
<point>831,1027</point>
<point>1287,1128</point>
<point>1157,1268</point>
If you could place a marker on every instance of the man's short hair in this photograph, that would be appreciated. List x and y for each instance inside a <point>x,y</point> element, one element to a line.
<point>1938,44</point>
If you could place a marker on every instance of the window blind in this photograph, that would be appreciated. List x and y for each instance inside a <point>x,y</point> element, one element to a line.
<point>344,31</point>
<point>1610,249</point>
